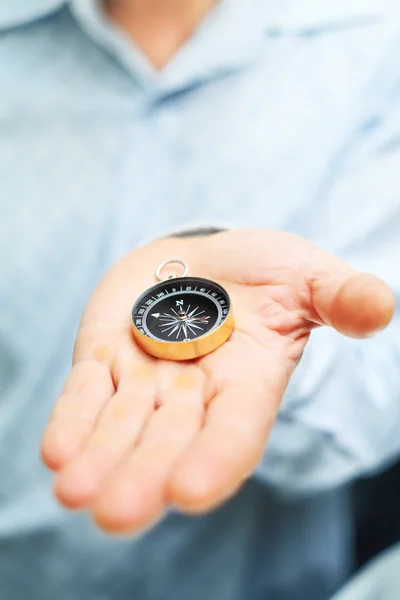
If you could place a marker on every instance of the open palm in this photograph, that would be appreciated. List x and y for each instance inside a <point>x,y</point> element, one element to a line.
<point>131,434</point>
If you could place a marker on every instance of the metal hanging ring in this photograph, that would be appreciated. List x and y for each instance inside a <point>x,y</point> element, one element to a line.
<point>169,262</point>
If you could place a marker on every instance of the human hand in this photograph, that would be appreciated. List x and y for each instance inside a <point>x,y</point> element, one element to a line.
<point>132,435</point>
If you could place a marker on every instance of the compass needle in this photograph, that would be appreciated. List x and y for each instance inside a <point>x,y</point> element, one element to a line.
<point>169,325</point>
<point>174,329</point>
<point>194,311</point>
<point>191,330</point>
<point>195,326</point>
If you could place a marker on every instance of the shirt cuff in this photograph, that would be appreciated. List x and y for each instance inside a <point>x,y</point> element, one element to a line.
<point>189,230</point>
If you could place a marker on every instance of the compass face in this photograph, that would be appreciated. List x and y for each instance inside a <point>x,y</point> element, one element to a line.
<point>181,309</point>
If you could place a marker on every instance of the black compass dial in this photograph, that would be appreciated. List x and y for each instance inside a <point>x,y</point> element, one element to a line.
<point>181,309</point>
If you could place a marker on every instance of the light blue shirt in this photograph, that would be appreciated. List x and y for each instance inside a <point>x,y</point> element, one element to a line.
<point>280,114</point>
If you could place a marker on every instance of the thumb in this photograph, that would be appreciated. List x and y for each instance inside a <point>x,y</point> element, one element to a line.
<point>357,304</point>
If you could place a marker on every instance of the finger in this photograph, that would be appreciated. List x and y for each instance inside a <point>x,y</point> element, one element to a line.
<point>118,428</point>
<point>134,494</point>
<point>357,305</point>
<point>88,387</point>
<point>231,443</point>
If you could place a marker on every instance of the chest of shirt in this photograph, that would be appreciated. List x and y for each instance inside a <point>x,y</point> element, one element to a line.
<point>91,162</point>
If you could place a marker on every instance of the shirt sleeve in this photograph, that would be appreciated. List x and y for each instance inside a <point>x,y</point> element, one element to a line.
<point>340,417</point>
<point>380,579</point>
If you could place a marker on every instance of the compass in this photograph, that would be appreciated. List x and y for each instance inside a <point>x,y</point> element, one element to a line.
<point>182,318</point>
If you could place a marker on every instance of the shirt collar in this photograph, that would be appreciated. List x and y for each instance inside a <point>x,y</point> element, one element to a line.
<point>225,40</point>
<point>14,13</point>
<point>269,14</point>
<point>230,37</point>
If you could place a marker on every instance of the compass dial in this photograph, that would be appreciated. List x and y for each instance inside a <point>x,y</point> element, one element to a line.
<point>181,311</point>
